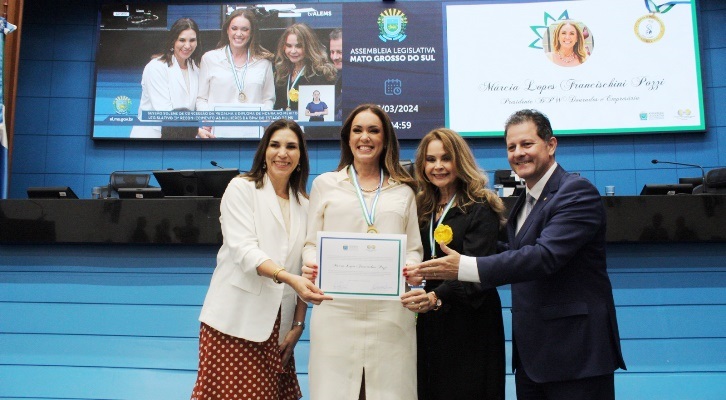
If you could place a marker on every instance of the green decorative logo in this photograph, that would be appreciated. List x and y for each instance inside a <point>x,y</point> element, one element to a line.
<point>122,105</point>
<point>392,25</point>
<point>539,30</point>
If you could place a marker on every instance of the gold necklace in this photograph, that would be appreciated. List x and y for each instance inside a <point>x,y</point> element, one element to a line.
<point>567,59</point>
<point>370,190</point>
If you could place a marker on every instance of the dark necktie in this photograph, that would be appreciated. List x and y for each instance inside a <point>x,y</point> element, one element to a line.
<point>529,205</point>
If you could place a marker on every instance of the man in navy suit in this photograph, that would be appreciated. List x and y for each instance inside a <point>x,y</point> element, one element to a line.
<point>566,343</point>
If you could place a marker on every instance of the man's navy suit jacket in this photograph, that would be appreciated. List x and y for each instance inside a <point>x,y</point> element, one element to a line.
<point>563,315</point>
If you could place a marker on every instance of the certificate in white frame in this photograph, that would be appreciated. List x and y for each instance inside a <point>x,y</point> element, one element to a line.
<point>361,265</point>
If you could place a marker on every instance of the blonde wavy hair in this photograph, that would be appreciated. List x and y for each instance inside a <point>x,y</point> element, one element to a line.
<point>316,58</point>
<point>471,181</point>
<point>579,48</point>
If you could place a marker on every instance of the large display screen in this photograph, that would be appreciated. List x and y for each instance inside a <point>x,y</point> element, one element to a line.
<point>628,67</point>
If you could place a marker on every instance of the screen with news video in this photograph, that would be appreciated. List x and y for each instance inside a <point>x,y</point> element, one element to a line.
<point>168,71</point>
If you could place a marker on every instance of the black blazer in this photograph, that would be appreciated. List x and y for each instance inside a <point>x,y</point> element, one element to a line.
<point>563,315</point>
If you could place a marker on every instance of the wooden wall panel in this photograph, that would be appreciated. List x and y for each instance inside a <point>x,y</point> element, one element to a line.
<point>11,10</point>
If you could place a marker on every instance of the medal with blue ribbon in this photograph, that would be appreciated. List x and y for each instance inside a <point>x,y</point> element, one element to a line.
<point>432,241</point>
<point>370,216</point>
<point>239,82</point>
<point>649,28</point>
<point>663,8</point>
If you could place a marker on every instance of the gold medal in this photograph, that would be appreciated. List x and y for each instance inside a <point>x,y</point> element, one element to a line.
<point>649,28</point>
<point>369,216</point>
<point>238,81</point>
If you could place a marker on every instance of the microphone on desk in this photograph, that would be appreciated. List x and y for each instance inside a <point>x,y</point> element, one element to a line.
<point>703,172</point>
<point>216,165</point>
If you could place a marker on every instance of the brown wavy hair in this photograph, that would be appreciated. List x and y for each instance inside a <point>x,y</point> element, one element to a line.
<point>299,179</point>
<point>471,181</point>
<point>256,50</point>
<point>316,58</point>
<point>389,160</point>
<point>180,26</point>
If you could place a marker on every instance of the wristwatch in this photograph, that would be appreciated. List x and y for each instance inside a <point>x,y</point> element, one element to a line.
<point>299,323</point>
<point>437,302</point>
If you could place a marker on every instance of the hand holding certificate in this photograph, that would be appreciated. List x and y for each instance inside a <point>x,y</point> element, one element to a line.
<point>356,265</point>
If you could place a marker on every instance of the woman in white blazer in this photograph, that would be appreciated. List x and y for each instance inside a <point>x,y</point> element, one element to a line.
<point>250,321</point>
<point>171,80</point>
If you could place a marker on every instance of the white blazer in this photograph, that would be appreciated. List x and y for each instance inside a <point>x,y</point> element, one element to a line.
<point>163,88</point>
<point>239,302</point>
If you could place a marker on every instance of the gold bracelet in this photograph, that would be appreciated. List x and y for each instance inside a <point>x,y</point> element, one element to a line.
<point>274,275</point>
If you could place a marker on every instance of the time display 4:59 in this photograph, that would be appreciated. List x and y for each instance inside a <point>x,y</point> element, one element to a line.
<point>401,124</point>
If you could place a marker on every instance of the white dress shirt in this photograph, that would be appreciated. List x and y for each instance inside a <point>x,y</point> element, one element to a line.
<point>217,84</point>
<point>468,270</point>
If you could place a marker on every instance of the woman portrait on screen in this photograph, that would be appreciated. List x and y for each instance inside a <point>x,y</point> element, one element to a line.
<point>170,80</point>
<point>568,45</point>
<point>300,60</point>
<point>453,193</point>
<point>368,346</point>
<point>316,109</point>
<point>255,306</point>
<point>239,70</point>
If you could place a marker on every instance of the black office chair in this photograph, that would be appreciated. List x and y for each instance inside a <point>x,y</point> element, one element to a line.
<point>715,182</point>
<point>123,180</point>
<point>695,181</point>
<point>504,177</point>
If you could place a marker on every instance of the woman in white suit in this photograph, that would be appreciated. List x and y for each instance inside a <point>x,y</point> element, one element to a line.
<point>171,80</point>
<point>250,320</point>
<point>238,72</point>
<point>363,348</point>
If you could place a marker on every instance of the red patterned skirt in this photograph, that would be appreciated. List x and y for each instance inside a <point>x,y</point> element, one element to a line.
<point>235,368</point>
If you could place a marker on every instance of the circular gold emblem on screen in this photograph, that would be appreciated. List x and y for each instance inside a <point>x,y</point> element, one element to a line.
<point>649,28</point>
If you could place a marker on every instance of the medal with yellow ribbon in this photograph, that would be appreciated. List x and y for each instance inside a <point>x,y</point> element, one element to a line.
<point>292,93</point>
<point>442,233</point>
<point>369,216</point>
